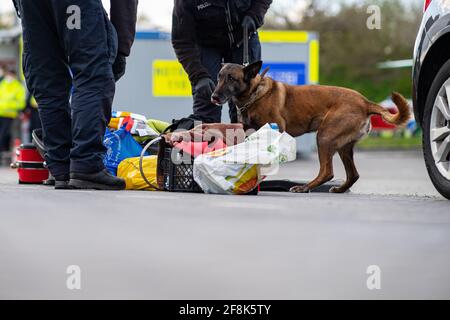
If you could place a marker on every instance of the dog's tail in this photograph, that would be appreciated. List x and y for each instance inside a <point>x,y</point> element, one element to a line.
<point>401,118</point>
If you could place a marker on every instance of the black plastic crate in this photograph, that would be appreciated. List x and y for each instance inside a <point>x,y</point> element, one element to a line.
<point>174,174</point>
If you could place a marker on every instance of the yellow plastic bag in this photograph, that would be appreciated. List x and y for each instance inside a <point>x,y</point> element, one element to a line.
<point>129,170</point>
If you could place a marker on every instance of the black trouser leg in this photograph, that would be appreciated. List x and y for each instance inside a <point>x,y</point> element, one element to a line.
<point>237,56</point>
<point>5,134</point>
<point>51,47</point>
<point>204,110</point>
<point>212,59</point>
<point>91,50</point>
<point>35,121</point>
<point>48,79</point>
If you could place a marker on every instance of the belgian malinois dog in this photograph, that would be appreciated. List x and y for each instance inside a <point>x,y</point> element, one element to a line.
<point>340,116</point>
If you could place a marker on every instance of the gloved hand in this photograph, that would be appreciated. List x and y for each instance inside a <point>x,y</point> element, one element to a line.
<point>205,87</point>
<point>249,22</point>
<point>119,66</point>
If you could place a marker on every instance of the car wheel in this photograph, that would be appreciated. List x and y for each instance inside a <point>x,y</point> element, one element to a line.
<point>436,131</point>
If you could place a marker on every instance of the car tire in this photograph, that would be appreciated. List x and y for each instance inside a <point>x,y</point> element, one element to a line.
<point>441,183</point>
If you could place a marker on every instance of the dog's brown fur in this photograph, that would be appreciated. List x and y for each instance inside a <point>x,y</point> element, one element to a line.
<point>340,116</point>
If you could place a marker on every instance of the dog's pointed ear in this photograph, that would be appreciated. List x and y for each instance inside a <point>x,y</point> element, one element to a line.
<point>252,70</point>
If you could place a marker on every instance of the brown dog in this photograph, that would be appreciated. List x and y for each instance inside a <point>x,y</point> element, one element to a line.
<point>340,116</point>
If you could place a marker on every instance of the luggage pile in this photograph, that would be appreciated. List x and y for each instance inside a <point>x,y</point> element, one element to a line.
<point>210,158</point>
<point>153,155</point>
<point>239,169</point>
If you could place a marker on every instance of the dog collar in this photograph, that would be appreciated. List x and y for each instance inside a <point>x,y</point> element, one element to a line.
<point>254,96</point>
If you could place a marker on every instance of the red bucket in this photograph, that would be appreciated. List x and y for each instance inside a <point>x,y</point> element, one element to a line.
<point>30,165</point>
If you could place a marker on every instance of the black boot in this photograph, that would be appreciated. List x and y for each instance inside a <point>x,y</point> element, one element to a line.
<point>102,180</point>
<point>60,182</point>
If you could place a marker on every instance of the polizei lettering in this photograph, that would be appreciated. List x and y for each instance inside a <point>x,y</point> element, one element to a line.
<point>203,6</point>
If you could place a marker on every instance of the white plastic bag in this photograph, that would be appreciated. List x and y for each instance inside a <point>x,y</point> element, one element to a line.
<point>240,168</point>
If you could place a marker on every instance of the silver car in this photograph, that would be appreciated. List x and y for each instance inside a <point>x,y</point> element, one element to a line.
<point>431,90</point>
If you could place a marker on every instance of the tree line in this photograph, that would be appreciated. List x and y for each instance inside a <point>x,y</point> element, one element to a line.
<point>349,51</point>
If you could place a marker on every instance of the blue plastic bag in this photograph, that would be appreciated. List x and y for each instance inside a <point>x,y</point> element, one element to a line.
<point>121,145</point>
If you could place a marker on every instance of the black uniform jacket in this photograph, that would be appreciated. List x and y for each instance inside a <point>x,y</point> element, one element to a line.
<point>210,23</point>
<point>123,17</point>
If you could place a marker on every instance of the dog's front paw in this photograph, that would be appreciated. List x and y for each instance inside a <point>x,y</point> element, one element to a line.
<point>299,189</point>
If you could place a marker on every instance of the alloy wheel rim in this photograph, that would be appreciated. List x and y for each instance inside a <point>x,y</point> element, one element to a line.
<point>440,130</point>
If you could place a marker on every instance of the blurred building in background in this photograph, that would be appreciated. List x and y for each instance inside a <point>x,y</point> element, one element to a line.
<point>157,86</point>
<point>10,47</point>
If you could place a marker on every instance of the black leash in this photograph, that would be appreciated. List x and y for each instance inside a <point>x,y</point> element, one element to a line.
<point>246,59</point>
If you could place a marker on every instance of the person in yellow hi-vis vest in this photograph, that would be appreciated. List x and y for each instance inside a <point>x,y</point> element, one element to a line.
<point>12,101</point>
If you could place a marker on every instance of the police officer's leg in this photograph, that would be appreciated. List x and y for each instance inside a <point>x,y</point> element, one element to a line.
<point>35,121</point>
<point>91,45</point>
<point>5,134</point>
<point>48,79</point>
<point>5,141</point>
<point>237,56</point>
<point>204,110</point>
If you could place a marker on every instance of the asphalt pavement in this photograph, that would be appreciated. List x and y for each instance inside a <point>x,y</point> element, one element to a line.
<point>155,245</point>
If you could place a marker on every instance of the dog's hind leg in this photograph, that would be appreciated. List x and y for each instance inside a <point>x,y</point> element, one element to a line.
<point>360,129</point>
<point>346,154</point>
<point>326,150</point>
